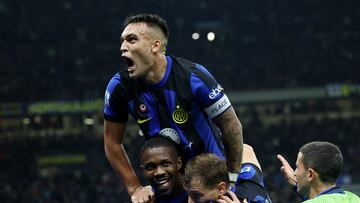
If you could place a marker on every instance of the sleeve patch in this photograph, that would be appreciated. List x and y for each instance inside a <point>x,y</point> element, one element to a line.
<point>245,169</point>
<point>107,98</point>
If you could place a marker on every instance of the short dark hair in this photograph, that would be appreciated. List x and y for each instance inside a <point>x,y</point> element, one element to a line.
<point>324,157</point>
<point>209,168</point>
<point>150,20</point>
<point>159,142</point>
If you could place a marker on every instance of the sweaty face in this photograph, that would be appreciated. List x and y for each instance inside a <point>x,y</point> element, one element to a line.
<point>198,193</point>
<point>161,167</point>
<point>302,176</point>
<point>136,49</point>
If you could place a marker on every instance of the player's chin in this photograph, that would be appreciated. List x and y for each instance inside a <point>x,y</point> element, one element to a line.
<point>301,190</point>
<point>132,74</point>
<point>164,190</point>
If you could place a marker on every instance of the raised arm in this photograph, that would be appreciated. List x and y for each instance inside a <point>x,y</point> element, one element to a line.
<point>113,136</point>
<point>286,170</point>
<point>232,136</point>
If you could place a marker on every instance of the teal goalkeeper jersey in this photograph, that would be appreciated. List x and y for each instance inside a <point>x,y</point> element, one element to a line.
<point>346,197</point>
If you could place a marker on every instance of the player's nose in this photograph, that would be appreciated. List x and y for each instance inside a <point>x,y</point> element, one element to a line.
<point>123,47</point>
<point>159,171</point>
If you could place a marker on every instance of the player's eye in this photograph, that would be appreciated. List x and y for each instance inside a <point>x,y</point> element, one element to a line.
<point>166,164</point>
<point>149,167</point>
<point>131,40</point>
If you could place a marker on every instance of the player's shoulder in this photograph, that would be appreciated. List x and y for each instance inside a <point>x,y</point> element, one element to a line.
<point>194,69</point>
<point>189,65</point>
<point>119,79</point>
<point>352,195</point>
<point>113,82</point>
<point>182,62</point>
<point>319,199</point>
<point>249,168</point>
<point>335,197</point>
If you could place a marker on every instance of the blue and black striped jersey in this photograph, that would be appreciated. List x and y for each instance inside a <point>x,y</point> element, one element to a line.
<point>181,198</point>
<point>181,106</point>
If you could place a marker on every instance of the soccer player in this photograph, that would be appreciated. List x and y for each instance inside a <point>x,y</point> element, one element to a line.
<point>166,96</point>
<point>161,163</point>
<point>318,165</point>
<point>206,180</point>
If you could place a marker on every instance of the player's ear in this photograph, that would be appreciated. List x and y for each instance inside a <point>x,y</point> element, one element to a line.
<point>142,168</point>
<point>156,46</point>
<point>222,188</point>
<point>179,162</point>
<point>311,174</point>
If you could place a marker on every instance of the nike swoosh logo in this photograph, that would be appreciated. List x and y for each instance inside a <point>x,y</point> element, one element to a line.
<point>139,121</point>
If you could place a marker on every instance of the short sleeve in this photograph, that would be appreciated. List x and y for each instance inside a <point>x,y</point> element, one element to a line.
<point>208,93</point>
<point>115,104</point>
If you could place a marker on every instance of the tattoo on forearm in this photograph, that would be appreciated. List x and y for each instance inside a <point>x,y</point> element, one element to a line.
<point>232,138</point>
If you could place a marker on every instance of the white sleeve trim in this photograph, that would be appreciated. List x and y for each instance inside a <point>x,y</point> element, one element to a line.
<point>218,107</point>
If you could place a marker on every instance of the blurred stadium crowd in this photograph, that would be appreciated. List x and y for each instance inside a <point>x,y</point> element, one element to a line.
<point>53,163</point>
<point>67,51</point>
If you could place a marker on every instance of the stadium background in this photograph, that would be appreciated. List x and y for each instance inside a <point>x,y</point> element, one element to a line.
<point>290,68</point>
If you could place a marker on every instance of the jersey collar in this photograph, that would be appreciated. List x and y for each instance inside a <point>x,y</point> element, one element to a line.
<point>333,190</point>
<point>166,75</point>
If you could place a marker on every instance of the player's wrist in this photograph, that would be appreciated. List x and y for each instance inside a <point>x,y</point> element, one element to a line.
<point>135,189</point>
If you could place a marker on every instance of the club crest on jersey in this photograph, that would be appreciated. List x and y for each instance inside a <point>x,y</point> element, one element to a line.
<point>179,115</point>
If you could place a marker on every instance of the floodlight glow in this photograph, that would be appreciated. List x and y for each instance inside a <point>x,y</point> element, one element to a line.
<point>195,36</point>
<point>26,121</point>
<point>211,36</point>
<point>89,121</point>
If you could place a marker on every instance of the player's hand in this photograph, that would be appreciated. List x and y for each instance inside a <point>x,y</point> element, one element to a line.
<point>229,197</point>
<point>287,171</point>
<point>143,195</point>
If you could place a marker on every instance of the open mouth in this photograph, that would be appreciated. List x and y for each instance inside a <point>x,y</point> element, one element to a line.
<point>129,62</point>
<point>161,182</point>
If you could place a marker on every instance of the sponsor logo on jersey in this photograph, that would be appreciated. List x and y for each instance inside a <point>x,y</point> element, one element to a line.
<point>179,116</point>
<point>215,92</point>
<point>141,121</point>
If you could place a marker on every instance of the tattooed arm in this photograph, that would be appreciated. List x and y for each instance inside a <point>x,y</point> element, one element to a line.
<point>232,136</point>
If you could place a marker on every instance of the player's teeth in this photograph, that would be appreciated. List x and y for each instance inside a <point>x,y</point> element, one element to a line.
<point>162,181</point>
